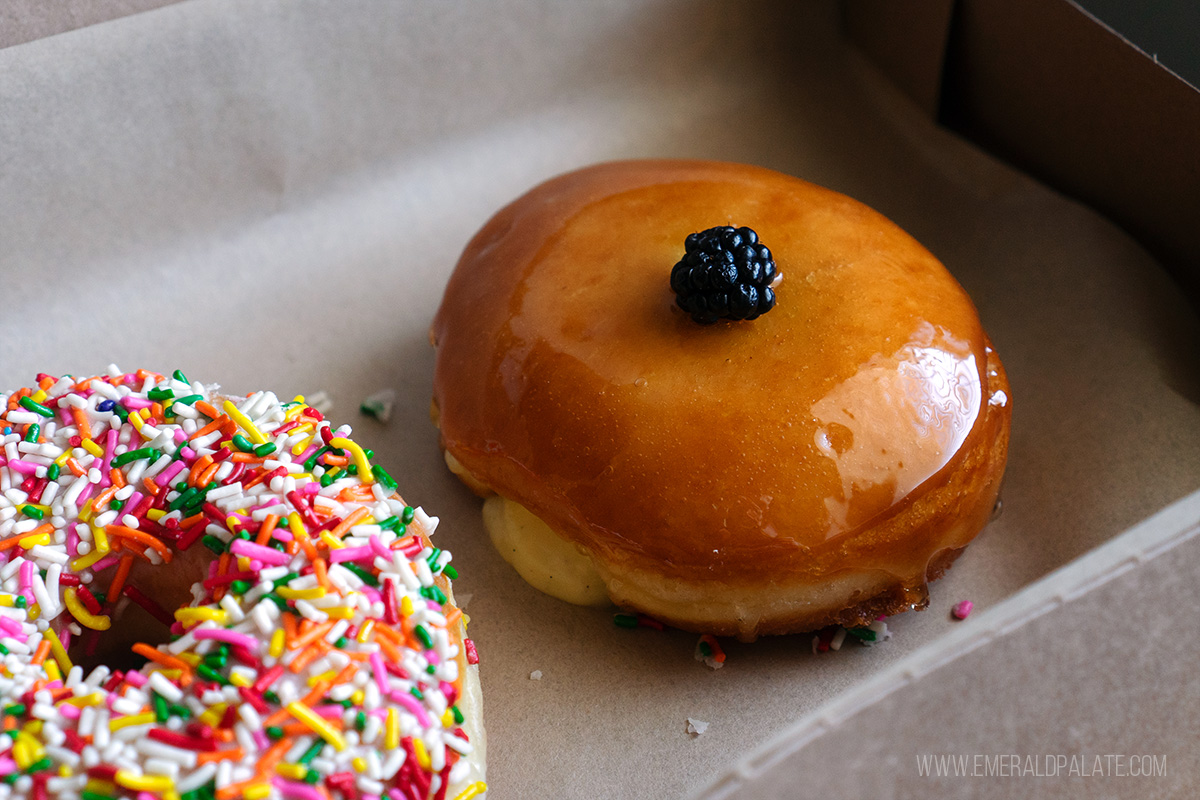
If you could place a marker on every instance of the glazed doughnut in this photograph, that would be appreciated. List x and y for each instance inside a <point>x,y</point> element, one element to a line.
<point>299,635</point>
<point>817,465</point>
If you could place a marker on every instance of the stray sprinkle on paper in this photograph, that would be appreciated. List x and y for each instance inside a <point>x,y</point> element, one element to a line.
<point>536,675</point>
<point>379,405</point>
<point>696,726</point>
<point>320,400</point>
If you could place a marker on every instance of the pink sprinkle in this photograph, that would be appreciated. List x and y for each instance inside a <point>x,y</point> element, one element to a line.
<point>380,549</point>
<point>10,625</point>
<point>137,679</point>
<point>68,711</point>
<point>230,637</point>
<point>259,552</point>
<point>410,703</point>
<point>350,554</point>
<point>380,671</point>
<point>23,467</point>
<point>26,575</point>
<point>170,472</point>
<point>295,791</point>
<point>962,610</point>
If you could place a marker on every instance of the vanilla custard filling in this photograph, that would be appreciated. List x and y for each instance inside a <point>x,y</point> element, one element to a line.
<point>544,559</point>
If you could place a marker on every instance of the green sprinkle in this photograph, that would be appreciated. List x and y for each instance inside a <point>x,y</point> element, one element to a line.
<point>312,460</point>
<point>3,649</point>
<point>433,593</point>
<point>625,620</point>
<point>32,432</point>
<point>458,715</point>
<point>20,602</point>
<point>365,576</point>
<point>286,579</point>
<point>279,601</point>
<point>185,499</point>
<point>121,412</point>
<point>450,572</point>
<point>415,692</point>
<point>189,400</point>
<point>32,511</point>
<point>274,731</point>
<point>116,505</point>
<point>179,376</point>
<point>210,674</point>
<point>424,636</point>
<point>328,478</point>
<point>242,443</point>
<point>383,477</point>
<point>39,765</point>
<point>865,634</point>
<point>352,469</point>
<point>213,543</point>
<point>240,587</point>
<point>264,449</point>
<point>86,795</point>
<point>433,556</point>
<point>183,712</point>
<point>52,471</point>
<point>360,720</point>
<point>407,516</point>
<point>312,752</point>
<point>341,643</point>
<point>13,777</point>
<point>390,524</point>
<point>15,710</point>
<point>705,649</point>
<point>29,404</point>
<point>216,660</point>
<point>311,777</point>
<point>430,669</point>
<point>134,455</point>
<point>161,711</point>
<point>160,394</point>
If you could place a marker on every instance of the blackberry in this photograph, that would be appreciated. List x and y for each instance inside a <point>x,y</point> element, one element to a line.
<point>725,273</point>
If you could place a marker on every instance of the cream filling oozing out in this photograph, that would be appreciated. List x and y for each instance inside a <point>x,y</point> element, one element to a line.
<point>547,562</point>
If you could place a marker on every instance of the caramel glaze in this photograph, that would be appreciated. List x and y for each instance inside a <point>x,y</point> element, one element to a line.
<point>856,426</point>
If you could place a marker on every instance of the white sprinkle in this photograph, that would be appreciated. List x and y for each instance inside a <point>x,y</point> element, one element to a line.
<point>696,727</point>
<point>536,675</point>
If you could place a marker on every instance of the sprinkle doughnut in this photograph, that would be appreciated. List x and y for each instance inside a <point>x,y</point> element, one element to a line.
<point>299,634</point>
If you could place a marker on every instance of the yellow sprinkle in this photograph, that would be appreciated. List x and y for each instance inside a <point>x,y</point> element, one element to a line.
<point>296,525</point>
<point>62,460</point>
<point>302,445</point>
<point>100,539</point>
<point>360,764</point>
<point>295,772</point>
<point>99,786</point>
<point>57,649</point>
<point>145,783</point>
<point>422,753</point>
<point>22,754</point>
<point>214,714</point>
<point>32,541</point>
<point>474,790</point>
<point>364,632</point>
<point>239,679</point>
<point>97,622</point>
<point>448,720</point>
<point>39,396</point>
<point>85,513</point>
<point>93,699</point>
<point>360,458</point>
<point>156,514</point>
<point>8,600</point>
<point>64,771</point>
<point>358,698</point>
<point>331,540</point>
<point>391,735</point>
<point>315,679</point>
<point>190,616</point>
<point>319,726</point>
<point>125,722</point>
<point>189,658</point>
<point>277,639</point>
<point>83,562</point>
<point>257,791</point>
<point>244,423</point>
<point>52,670</point>
<point>93,448</point>
<point>135,419</point>
<point>34,728</point>
<point>340,612</point>
<point>288,593</point>
<point>406,606</point>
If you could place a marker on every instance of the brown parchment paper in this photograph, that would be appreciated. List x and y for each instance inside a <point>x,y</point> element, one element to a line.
<point>271,195</point>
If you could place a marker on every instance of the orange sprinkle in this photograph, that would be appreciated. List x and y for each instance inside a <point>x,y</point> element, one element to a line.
<point>151,486</point>
<point>121,575</point>
<point>156,410</point>
<point>117,477</point>
<point>46,383</point>
<point>335,461</point>
<point>202,463</point>
<point>75,468</point>
<point>349,522</point>
<point>322,576</point>
<point>390,650</point>
<point>453,616</point>
<point>246,458</point>
<point>166,660</point>
<point>307,546</point>
<point>207,410</point>
<point>81,422</point>
<point>39,655</point>
<point>268,527</point>
<point>237,754</point>
<point>207,475</point>
<point>120,531</point>
<point>259,478</point>
<point>308,655</point>
<point>311,635</point>
<point>12,541</point>
<point>104,497</point>
<point>192,520</point>
<point>290,628</point>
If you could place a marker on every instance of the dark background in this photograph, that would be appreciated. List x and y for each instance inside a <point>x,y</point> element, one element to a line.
<point>1166,29</point>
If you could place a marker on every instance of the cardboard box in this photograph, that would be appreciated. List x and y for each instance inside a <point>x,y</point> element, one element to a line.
<point>271,195</point>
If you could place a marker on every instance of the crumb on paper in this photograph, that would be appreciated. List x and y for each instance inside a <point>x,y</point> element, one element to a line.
<point>536,675</point>
<point>379,405</point>
<point>696,726</point>
<point>833,636</point>
<point>320,400</point>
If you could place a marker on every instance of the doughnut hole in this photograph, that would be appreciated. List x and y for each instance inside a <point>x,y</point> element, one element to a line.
<point>169,585</point>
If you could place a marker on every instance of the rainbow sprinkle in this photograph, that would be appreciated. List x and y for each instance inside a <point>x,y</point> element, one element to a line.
<point>321,658</point>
